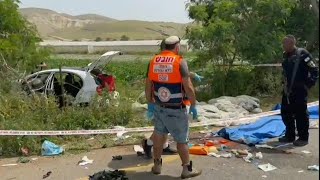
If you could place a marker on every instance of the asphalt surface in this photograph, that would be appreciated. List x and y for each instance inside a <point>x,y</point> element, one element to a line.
<point>290,161</point>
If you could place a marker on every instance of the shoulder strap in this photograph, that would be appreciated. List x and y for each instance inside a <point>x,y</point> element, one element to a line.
<point>295,68</point>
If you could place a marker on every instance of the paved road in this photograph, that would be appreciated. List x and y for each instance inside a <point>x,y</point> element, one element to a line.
<point>66,168</point>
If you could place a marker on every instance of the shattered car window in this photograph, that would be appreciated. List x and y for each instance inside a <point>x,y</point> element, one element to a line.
<point>37,82</point>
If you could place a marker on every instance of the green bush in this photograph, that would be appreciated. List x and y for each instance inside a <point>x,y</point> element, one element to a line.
<point>258,81</point>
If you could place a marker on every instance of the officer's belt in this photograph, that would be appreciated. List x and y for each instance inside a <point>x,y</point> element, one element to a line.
<point>172,96</point>
<point>172,106</point>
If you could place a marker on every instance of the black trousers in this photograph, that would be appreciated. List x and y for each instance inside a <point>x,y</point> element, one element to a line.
<point>295,114</point>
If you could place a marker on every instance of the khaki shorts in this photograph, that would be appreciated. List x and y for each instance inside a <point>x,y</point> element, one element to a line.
<point>173,121</point>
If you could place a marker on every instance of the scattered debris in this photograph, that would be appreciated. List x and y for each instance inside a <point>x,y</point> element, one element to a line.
<point>259,155</point>
<point>234,151</point>
<point>248,158</point>
<point>8,165</point>
<point>223,147</point>
<point>213,149</point>
<point>25,151</point>
<point>138,148</point>
<point>264,176</point>
<point>227,155</point>
<point>214,155</point>
<point>301,171</point>
<point>243,152</point>
<point>209,143</point>
<point>283,145</point>
<point>223,141</point>
<point>23,160</point>
<point>267,167</point>
<point>116,157</point>
<point>216,142</point>
<point>313,168</point>
<point>84,161</point>
<point>50,149</point>
<point>111,175</point>
<point>306,152</point>
<point>46,175</point>
<point>263,146</point>
<point>199,150</point>
<point>34,159</point>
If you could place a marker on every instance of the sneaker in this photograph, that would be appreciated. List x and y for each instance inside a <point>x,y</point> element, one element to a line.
<point>169,150</point>
<point>156,169</point>
<point>189,172</point>
<point>300,143</point>
<point>286,140</point>
<point>147,149</point>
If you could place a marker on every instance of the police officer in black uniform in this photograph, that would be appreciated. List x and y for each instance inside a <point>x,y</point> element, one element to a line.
<point>300,74</point>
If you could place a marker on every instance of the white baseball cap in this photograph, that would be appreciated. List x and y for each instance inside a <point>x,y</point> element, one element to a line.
<point>172,40</point>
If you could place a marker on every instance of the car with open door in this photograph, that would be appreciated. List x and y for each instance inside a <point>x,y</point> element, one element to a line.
<point>75,85</point>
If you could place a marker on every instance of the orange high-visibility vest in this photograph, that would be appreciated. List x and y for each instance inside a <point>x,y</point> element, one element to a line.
<point>164,72</point>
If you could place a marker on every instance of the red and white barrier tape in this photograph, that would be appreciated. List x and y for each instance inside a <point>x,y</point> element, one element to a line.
<point>128,130</point>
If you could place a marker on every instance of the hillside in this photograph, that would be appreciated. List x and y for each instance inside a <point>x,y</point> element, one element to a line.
<point>53,25</point>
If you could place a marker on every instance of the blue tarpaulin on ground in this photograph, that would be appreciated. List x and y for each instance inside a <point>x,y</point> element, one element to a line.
<point>262,130</point>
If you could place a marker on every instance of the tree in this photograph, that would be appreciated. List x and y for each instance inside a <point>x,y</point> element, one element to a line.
<point>124,38</point>
<point>304,24</point>
<point>229,31</point>
<point>246,30</point>
<point>18,38</point>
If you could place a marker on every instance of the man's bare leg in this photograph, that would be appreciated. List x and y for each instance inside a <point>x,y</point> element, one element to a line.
<point>158,141</point>
<point>183,151</point>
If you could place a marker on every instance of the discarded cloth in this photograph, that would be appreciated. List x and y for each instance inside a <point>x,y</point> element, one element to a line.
<point>262,130</point>
<point>50,149</point>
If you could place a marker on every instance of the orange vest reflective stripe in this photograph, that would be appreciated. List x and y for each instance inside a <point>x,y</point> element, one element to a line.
<point>164,72</point>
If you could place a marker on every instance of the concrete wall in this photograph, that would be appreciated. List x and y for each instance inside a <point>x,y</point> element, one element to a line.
<point>98,47</point>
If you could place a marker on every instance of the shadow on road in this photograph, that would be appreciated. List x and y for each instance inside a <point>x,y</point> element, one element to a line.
<point>129,161</point>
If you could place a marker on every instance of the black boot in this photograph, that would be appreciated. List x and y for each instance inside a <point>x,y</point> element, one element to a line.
<point>300,142</point>
<point>169,150</point>
<point>147,149</point>
<point>285,139</point>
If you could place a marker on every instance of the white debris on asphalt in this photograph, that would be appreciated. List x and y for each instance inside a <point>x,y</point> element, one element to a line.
<point>264,176</point>
<point>313,168</point>
<point>306,152</point>
<point>264,146</point>
<point>227,155</point>
<point>248,158</point>
<point>267,167</point>
<point>259,155</point>
<point>84,161</point>
<point>301,171</point>
<point>214,155</point>
<point>138,148</point>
